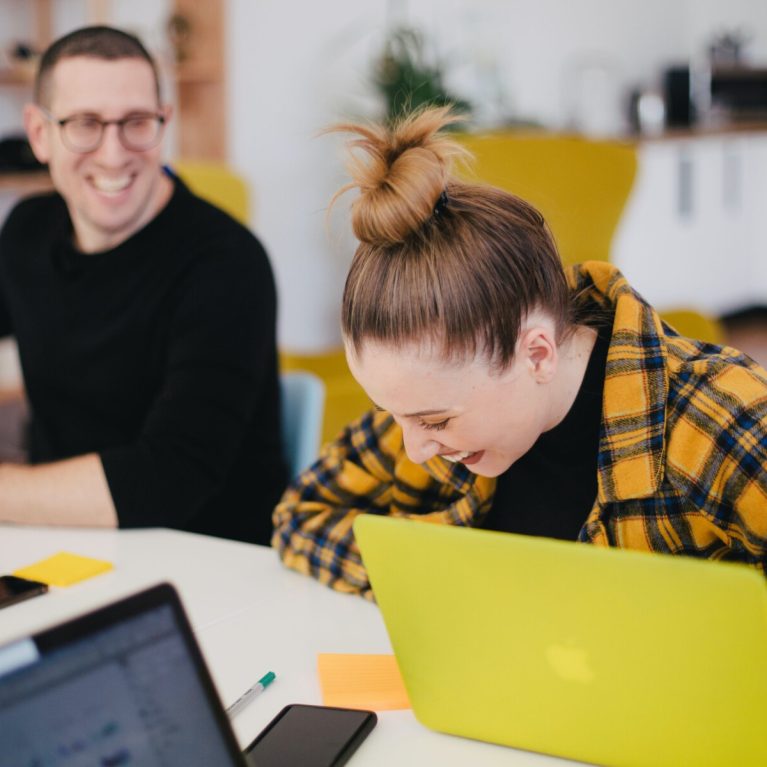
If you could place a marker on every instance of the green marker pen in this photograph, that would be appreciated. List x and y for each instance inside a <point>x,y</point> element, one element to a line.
<point>250,693</point>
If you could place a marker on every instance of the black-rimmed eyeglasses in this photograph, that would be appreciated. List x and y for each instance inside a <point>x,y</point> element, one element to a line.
<point>84,133</point>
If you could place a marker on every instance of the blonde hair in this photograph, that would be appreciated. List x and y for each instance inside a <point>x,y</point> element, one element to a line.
<point>441,259</point>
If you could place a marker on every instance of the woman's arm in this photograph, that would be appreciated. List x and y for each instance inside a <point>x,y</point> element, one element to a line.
<point>313,522</point>
<point>366,471</point>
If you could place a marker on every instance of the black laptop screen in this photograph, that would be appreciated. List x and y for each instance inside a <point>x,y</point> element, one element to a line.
<point>127,694</point>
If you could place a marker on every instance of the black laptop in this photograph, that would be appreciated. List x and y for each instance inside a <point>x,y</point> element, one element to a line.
<point>124,685</point>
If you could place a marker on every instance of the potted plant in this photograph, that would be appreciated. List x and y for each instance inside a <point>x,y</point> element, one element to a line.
<point>406,78</point>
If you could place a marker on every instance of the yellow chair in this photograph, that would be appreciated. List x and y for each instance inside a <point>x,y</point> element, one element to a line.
<point>693,324</point>
<point>218,184</point>
<point>579,185</point>
<point>550,173</point>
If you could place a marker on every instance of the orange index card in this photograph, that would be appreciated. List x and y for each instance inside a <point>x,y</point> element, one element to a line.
<point>64,569</point>
<point>361,681</point>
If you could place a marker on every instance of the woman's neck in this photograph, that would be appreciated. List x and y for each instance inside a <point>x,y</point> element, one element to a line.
<point>574,355</point>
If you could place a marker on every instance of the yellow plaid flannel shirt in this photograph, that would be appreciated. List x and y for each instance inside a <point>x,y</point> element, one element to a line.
<point>681,466</point>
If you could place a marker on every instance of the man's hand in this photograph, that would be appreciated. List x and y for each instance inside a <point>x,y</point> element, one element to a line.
<point>73,492</point>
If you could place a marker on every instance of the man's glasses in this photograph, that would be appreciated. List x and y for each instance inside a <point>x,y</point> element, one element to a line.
<point>84,133</point>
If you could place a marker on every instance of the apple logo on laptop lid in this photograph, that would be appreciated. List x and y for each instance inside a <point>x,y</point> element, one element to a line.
<point>570,662</point>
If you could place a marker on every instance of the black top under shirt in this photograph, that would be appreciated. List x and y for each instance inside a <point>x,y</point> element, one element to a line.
<point>552,488</point>
<point>159,355</point>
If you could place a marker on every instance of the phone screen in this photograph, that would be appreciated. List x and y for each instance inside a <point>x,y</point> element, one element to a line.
<point>310,736</point>
<point>13,589</point>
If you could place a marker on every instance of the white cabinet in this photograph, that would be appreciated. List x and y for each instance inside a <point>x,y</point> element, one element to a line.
<point>694,233</point>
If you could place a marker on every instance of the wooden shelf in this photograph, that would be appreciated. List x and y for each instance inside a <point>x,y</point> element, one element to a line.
<point>17,76</point>
<point>200,80</point>
<point>26,183</point>
<point>731,127</point>
<point>189,74</point>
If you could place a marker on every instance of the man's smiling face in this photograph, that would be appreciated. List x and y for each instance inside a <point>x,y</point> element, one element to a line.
<point>111,192</point>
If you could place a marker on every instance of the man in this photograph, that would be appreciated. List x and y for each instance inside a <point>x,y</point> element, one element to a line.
<point>144,317</point>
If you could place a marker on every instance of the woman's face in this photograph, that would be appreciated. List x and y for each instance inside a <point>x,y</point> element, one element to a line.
<point>464,411</point>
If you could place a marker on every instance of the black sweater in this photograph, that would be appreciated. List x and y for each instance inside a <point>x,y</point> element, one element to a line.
<point>159,355</point>
<point>551,489</point>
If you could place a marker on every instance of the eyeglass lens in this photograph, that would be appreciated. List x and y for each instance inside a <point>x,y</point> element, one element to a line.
<point>84,134</point>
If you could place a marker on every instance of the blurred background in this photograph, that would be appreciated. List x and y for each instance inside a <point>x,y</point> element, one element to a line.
<point>639,128</point>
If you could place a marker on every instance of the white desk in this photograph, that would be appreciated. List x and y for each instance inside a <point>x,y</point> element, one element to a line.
<point>250,615</point>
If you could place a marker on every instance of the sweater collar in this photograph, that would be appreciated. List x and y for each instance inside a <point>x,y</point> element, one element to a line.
<point>76,258</point>
<point>632,441</point>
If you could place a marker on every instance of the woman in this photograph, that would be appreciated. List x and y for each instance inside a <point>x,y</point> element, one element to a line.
<point>512,395</point>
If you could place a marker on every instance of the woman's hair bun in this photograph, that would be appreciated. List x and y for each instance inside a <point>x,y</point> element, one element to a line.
<point>400,172</point>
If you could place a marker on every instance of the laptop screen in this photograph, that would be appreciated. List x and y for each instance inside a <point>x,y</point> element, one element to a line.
<point>112,689</point>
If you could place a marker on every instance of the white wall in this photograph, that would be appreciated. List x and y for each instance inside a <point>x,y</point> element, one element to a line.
<point>547,51</point>
<point>706,17</point>
<point>296,67</point>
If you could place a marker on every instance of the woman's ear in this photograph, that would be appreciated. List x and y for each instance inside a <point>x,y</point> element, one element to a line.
<point>37,133</point>
<point>538,350</point>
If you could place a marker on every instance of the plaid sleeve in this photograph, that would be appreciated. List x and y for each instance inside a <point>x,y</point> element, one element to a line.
<point>718,448</point>
<point>366,471</point>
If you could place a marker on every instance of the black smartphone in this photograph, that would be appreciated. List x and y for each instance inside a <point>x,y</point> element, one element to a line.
<point>310,736</point>
<point>13,589</point>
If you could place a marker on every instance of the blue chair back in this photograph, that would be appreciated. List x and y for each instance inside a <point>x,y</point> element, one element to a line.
<point>303,401</point>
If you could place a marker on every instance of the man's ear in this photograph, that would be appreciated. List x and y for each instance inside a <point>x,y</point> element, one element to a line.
<point>37,133</point>
<point>167,112</point>
<point>539,351</point>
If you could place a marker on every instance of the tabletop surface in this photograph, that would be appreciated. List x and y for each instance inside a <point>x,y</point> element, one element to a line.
<point>250,615</point>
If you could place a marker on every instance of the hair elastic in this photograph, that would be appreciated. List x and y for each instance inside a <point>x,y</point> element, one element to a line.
<point>441,204</point>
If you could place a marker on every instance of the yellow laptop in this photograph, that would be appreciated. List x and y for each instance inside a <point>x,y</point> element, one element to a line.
<point>612,657</point>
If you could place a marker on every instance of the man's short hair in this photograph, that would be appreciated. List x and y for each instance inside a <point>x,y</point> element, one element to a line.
<point>98,42</point>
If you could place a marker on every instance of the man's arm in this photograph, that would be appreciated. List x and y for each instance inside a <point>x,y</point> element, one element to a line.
<point>216,405</point>
<point>220,350</point>
<point>72,492</point>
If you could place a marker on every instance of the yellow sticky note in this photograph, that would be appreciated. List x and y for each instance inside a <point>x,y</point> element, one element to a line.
<point>64,569</point>
<point>361,681</point>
